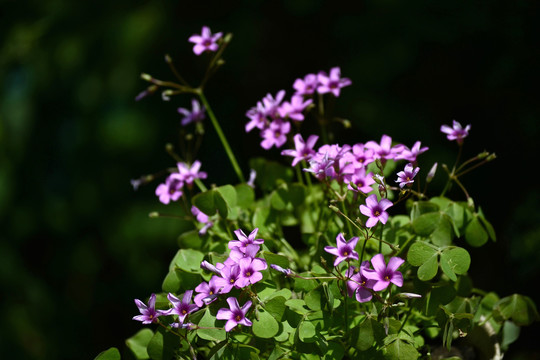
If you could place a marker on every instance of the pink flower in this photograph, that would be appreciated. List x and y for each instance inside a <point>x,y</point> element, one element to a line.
<point>236,315</point>
<point>406,176</point>
<point>303,151</point>
<point>456,132</point>
<point>195,115</point>
<point>384,275</point>
<point>205,42</point>
<point>344,249</point>
<point>149,314</point>
<point>375,210</point>
<point>189,174</point>
<point>171,190</point>
<point>332,83</point>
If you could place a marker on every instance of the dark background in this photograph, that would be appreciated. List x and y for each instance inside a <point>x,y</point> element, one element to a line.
<point>76,245</point>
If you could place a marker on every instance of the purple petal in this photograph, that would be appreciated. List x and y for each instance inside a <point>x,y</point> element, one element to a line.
<point>378,263</point>
<point>223,314</point>
<point>394,263</point>
<point>371,201</point>
<point>233,303</point>
<point>230,325</point>
<point>397,279</point>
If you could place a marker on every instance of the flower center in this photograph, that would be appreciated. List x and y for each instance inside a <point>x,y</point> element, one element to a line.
<point>238,317</point>
<point>377,213</point>
<point>211,292</point>
<point>184,312</point>
<point>248,273</point>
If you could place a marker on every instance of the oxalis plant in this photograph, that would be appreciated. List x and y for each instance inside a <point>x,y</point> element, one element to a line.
<point>378,268</point>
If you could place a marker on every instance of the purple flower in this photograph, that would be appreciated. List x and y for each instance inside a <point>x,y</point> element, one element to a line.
<point>332,83</point>
<point>182,307</point>
<point>344,249</point>
<point>384,275</point>
<point>236,315</point>
<point>195,115</point>
<point>149,314</point>
<point>456,132</point>
<point>250,251</point>
<point>375,210</point>
<point>406,176</point>
<point>293,110</point>
<point>411,154</point>
<point>307,85</point>
<point>363,155</point>
<point>359,284</point>
<point>171,190</point>
<point>275,134</point>
<point>303,151</point>
<point>257,116</point>
<point>205,42</point>
<point>244,240</point>
<point>362,181</point>
<point>207,292</point>
<point>229,275</point>
<point>202,218</point>
<point>252,177</point>
<point>250,271</point>
<point>189,174</point>
<point>321,166</point>
<point>384,150</point>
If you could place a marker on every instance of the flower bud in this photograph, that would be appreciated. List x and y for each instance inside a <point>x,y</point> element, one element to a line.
<point>146,77</point>
<point>431,173</point>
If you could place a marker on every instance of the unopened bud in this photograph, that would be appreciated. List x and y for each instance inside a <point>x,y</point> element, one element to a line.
<point>470,202</point>
<point>379,164</point>
<point>286,272</point>
<point>431,173</point>
<point>168,58</point>
<point>407,295</point>
<point>146,77</point>
<point>491,157</point>
<point>379,179</point>
<point>207,266</point>
<point>227,38</point>
<point>482,155</point>
<point>333,208</point>
<point>153,214</point>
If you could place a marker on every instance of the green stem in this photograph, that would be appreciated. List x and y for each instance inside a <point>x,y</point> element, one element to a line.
<point>221,136</point>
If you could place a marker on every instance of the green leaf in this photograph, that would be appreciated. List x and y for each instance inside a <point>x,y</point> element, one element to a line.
<point>190,239</point>
<point>189,260</point>
<point>518,308</point>
<point>455,261</point>
<point>420,252</point>
<point>510,333</point>
<point>278,199</point>
<point>245,195</point>
<point>425,224</point>
<point>314,299</point>
<point>306,331</point>
<point>138,343</point>
<point>209,320</point>
<point>162,345</point>
<point>297,305</point>
<point>475,234</point>
<point>400,350</point>
<point>422,207</point>
<point>228,193</point>
<point>204,201</point>
<point>368,331</point>
<point>429,269</point>
<point>277,259</point>
<point>110,354</point>
<point>276,307</point>
<point>444,233</point>
<point>266,326</point>
<point>297,194</point>
<point>487,225</point>
<point>270,172</point>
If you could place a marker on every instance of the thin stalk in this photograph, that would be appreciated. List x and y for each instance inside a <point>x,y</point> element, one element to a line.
<point>221,136</point>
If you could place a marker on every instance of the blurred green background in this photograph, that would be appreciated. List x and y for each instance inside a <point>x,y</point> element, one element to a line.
<point>76,244</point>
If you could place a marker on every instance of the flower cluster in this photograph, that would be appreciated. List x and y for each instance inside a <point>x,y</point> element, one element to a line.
<point>364,279</point>
<point>271,115</point>
<point>241,269</point>
<point>348,164</point>
<point>172,189</point>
